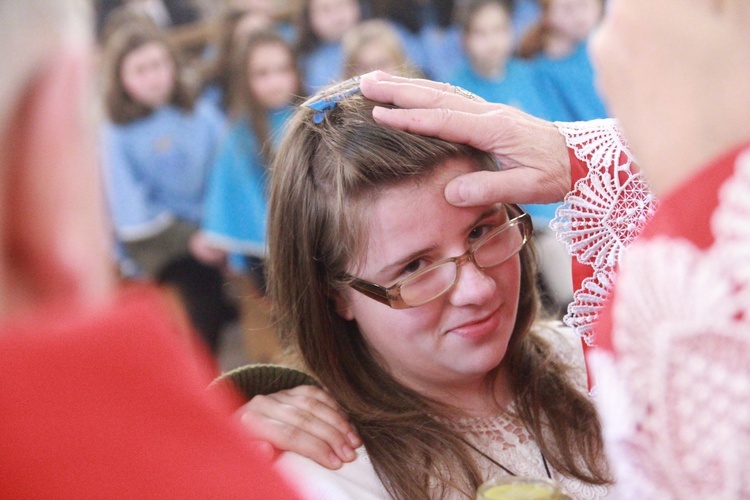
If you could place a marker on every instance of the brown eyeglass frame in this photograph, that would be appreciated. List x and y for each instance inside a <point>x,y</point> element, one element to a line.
<point>391,296</point>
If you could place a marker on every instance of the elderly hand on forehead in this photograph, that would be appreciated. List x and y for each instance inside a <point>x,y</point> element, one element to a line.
<point>531,153</point>
<point>673,72</point>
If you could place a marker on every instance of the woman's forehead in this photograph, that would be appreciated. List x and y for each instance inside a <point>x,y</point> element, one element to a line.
<point>414,214</point>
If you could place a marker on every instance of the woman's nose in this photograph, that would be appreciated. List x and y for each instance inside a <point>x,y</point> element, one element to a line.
<point>473,286</point>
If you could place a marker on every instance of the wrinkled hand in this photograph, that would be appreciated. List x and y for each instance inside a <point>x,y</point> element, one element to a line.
<point>532,153</point>
<point>305,420</point>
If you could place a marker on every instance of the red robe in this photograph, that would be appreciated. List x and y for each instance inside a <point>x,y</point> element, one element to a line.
<point>113,404</point>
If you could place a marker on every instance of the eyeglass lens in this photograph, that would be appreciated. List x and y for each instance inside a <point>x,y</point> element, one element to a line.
<point>437,280</point>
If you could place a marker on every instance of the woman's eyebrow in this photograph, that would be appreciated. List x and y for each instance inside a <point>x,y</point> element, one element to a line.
<point>490,212</point>
<point>405,260</point>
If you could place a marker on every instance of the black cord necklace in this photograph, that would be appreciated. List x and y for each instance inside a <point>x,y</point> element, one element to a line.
<point>544,460</point>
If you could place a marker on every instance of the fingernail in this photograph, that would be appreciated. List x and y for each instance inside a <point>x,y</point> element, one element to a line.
<point>335,460</point>
<point>380,112</point>
<point>348,453</point>
<point>353,440</point>
<point>455,192</point>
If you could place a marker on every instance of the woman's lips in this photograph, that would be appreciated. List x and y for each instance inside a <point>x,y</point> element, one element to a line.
<point>479,328</point>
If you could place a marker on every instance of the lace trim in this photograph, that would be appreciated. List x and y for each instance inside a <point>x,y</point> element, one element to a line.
<point>506,440</point>
<point>601,216</point>
<point>683,361</point>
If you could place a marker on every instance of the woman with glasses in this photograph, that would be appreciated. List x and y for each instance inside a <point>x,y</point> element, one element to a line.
<point>420,318</point>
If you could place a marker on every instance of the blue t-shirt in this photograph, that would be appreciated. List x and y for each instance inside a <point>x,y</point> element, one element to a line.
<point>157,168</point>
<point>322,66</point>
<point>571,81</point>
<point>443,51</point>
<point>518,87</point>
<point>236,203</point>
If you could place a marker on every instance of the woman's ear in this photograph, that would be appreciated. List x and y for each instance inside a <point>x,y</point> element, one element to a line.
<point>341,302</point>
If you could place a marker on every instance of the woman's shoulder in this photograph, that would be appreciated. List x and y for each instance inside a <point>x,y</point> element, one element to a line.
<point>355,479</point>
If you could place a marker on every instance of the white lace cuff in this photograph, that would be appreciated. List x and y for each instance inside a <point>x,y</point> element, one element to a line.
<point>602,215</point>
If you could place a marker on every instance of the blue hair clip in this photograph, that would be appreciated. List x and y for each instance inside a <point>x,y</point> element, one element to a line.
<point>326,100</point>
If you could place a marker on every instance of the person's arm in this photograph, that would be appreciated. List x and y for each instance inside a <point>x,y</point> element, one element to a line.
<point>286,410</point>
<point>305,420</point>
<point>607,207</point>
<point>135,216</point>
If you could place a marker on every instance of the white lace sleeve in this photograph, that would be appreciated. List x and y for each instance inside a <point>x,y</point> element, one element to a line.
<point>602,215</point>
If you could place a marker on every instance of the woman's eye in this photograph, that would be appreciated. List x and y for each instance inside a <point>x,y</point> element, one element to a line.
<point>411,267</point>
<point>480,231</point>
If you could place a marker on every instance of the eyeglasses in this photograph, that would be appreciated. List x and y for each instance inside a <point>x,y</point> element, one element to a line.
<point>429,283</point>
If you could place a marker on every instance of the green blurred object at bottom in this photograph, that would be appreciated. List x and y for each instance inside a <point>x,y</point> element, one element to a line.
<point>520,488</point>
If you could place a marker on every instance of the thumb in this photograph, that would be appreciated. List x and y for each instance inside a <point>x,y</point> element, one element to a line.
<point>479,188</point>
<point>518,185</point>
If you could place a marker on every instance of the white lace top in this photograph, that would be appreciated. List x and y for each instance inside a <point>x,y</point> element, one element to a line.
<point>602,215</point>
<point>505,439</point>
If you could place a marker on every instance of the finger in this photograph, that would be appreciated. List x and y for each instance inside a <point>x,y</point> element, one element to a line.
<point>323,407</point>
<point>419,94</point>
<point>288,438</point>
<point>283,422</point>
<point>380,76</point>
<point>312,398</point>
<point>383,77</point>
<point>449,125</point>
<point>313,392</point>
<point>509,186</point>
<point>264,449</point>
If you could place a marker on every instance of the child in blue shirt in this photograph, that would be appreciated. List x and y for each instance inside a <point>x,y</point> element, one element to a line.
<point>557,45</point>
<point>322,26</point>
<point>264,85</point>
<point>158,148</point>
<point>490,70</point>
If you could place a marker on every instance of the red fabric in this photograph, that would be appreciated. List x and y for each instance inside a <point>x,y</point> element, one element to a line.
<point>579,272</point>
<point>578,170</point>
<point>112,404</point>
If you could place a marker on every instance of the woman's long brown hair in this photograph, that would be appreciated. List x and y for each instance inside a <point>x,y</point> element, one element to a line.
<point>324,178</point>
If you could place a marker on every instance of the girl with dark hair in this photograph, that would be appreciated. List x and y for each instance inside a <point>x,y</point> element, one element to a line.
<point>264,83</point>
<point>159,146</point>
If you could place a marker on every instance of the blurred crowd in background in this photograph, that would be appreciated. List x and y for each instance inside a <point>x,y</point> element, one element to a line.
<point>195,95</point>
